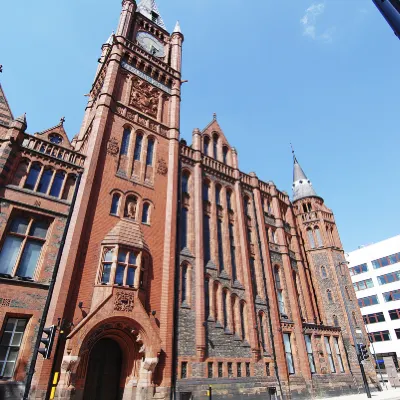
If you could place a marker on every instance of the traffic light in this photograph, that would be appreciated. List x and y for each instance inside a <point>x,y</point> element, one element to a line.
<point>47,339</point>
<point>364,355</point>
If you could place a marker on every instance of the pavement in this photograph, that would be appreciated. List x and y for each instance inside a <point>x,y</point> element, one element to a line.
<point>391,394</point>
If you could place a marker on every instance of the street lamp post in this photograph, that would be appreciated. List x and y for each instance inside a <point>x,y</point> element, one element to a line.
<point>360,361</point>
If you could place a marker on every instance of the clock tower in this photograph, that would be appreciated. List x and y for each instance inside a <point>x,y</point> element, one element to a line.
<point>115,287</point>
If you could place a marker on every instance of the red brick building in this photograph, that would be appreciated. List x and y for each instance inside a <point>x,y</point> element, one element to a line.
<point>178,271</point>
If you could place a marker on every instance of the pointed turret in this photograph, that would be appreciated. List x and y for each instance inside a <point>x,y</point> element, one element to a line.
<point>302,186</point>
<point>149,9</point>
<point>177,28</point>
<point>6,116</point>
<point>22,119</point>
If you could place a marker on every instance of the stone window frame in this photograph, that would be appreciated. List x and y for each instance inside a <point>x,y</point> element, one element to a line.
<point>263,329</point>
<point>206,145</point>
<point>120,194</point>
<point>139,266</point>
<point>149,203</point>
<point>187,301</point>
<point>22,172</point>
<point>31,217</point>
<point>17,317</point>
<point>280,291</point>
<point>134,163</point>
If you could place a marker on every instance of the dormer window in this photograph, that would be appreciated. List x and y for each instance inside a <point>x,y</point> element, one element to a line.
<point>55,138</point>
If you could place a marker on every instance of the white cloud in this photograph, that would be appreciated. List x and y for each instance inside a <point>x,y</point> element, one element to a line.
<point>309,22</point>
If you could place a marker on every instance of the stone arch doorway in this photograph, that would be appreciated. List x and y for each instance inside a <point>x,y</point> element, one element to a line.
<point>104,371</point>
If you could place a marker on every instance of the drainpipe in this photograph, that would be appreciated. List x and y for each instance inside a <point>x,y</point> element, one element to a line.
<point>50,294</point>
<point>267,299</point>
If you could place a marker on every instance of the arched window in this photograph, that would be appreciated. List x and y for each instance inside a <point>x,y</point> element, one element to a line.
<point>247,206</point>
<point>323,272</point>
<point>242,320</point>
<point>330,296</point>
<point>215,301</point>
<point>309,206</point>
<point>130,207</point>
<point>215,146</point>
<point>146,213</point>
<point>220,246</point>
<point>125,141</point>
<point>69,187</point>
<point>233,255</point>
<point>150,151</point>
<point>138,147</point>
<point>184,226</point>
<point>206,238</point>
<point>206,144</point>
<point>229,199</point>
<point>33,175</point>
<point>207,296</point>
<point>184,283</point>
<point>225,154</point>
<point>185,182</point>
<point>57,184</point>
<point>335,320</point>
<point>279,291</point>
<point>253,276</point>
<point>20,173</point>
<point>297,287</point>
<point>269,208</point>
<point>318,236</point>
<point>274,237</point>
<point>45,179</point>
<point>310,238</point>
<point>115,203</point>
<point>225,308</point>
<point>305,207</point>
<point>206,190</point>
<point>262,333</point>
<point>218,195</point>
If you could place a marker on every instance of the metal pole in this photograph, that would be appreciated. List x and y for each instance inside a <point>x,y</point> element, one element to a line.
<point>366,387</point>
<point>42,323</point>
<point>379,365</point>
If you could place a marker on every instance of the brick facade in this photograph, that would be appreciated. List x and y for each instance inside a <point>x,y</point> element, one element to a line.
<point>202,274</point>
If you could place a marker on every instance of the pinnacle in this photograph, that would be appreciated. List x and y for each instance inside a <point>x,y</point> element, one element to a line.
<point>22,120</point>
<point>177,28</point>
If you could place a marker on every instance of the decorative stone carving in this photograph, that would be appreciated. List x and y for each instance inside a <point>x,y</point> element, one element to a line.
<point>69,366</point>
<point>112,147</point>
<point>124,302</point>
<point>162,168</point>
<point>144,97</point>
<point>130,209</point>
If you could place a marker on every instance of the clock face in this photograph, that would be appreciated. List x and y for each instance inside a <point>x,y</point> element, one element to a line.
<point>150,44</point>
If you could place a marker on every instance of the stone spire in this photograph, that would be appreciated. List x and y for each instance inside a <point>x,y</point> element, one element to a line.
<point>149,9</point>
<point>302,186</point>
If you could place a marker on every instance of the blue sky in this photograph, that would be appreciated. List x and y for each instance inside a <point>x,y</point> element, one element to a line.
<point>323,75</point>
